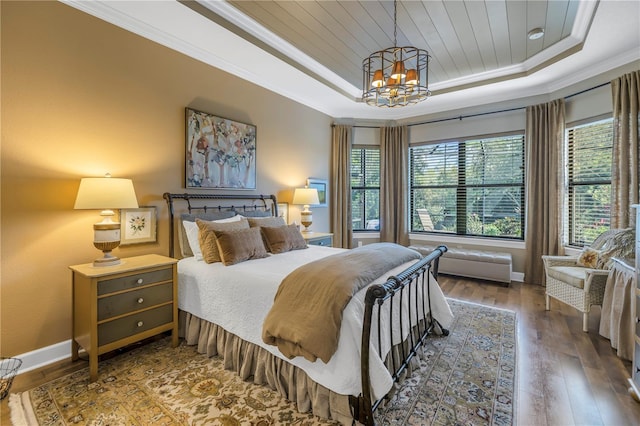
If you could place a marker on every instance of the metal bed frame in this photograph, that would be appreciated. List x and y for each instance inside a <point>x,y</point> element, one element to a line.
<point>411,282</point>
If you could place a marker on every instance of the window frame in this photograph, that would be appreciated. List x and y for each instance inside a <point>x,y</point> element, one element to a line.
<point>569,213</point>
<point>365,188</point>
<point>461,187</point>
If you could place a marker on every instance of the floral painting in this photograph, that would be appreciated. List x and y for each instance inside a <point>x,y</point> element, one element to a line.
<point>220,153</point>
<point>137,225</point>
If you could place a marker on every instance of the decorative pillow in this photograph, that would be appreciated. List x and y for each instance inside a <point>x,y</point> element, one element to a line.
<point>281,239</point>
<point>621,245</point>
<point>240,245</point>
<point>191,233</point>
<point>266,221</point>
<point>207,237</point>
<point>588,258</point>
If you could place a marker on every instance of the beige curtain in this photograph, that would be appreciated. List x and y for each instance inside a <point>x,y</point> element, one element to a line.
<point>340,193</point>
<point>544,170</point>
<point>394,152</point>
<point>624,171</point>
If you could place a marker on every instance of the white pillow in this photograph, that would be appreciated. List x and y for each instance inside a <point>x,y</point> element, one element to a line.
<point>191,231</point>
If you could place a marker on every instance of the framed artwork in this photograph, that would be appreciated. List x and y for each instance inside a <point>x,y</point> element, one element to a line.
<point>137,225</point>
<point>283,211</point>
<point>220,153</point>
<point>322,187</point>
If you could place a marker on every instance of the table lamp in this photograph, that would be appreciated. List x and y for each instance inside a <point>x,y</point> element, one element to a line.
<point>306,196</point>
<point>105,194</point>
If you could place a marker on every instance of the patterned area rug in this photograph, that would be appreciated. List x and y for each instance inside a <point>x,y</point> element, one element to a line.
<point>467,378</point>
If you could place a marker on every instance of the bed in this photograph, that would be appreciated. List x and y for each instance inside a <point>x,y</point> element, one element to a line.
<point>225,310</point>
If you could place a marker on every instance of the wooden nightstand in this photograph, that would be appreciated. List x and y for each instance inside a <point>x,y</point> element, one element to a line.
<point>114,306</point>
<point>318,238</point>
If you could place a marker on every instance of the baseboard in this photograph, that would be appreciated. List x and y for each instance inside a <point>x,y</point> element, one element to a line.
<point>45,356</point>
<point>517,276</point>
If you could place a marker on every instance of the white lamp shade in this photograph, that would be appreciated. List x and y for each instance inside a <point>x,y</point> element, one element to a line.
<point>106,193</point>
<point>306,196</point>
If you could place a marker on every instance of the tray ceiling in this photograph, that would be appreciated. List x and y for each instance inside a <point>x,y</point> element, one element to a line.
<point>312,51</point>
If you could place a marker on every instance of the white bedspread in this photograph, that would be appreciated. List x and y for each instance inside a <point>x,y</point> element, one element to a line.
<point>238,298</point>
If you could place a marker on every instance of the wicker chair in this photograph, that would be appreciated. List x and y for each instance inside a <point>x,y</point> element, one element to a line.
<point>576,285</point>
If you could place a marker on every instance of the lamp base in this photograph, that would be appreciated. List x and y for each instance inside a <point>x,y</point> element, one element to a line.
<point>306,218</point>
<point>106,238</point>
<point>106,261</point>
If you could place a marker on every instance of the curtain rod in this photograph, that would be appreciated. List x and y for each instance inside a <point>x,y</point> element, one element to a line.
<point>460,117</point>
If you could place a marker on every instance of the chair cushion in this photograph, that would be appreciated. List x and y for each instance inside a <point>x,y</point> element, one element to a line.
<point>572,275</point>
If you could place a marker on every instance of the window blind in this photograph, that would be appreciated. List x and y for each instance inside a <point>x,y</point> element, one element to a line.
<point>589,156</point>
<point>469,187</point>
<point>365,188</point>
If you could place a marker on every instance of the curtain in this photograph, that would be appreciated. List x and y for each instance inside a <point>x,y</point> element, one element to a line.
<point>340,194</point>
<point>544,136</point>
<point>624,170</point>
<point>394,152</point>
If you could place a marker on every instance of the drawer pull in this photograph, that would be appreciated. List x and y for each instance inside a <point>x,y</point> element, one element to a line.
<point>140,281</point>
<point>140,323</point>
<point>140,300</point>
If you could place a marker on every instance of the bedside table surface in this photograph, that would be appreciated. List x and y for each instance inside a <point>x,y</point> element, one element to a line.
<point>127,264</point>
<point>309,235</point>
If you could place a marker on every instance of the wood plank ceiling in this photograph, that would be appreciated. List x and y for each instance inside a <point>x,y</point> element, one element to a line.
<point>464,37</point>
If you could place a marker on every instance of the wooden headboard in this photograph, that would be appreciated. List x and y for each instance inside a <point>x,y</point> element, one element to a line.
<point>210,203</point>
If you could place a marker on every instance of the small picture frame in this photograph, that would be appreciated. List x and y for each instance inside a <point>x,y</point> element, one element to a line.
<point>137,225</point>
<point>322,187</point>
<point>283,211</point>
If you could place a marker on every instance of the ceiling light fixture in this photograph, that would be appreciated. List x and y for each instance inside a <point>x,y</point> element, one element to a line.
<point>535,33</point>
<point>396,76</point>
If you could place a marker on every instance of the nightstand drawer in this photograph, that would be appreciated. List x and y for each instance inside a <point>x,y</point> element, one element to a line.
<point>134,324</point>
<point>134,300</point>
<point>133,281</point>
<point>324,241</point>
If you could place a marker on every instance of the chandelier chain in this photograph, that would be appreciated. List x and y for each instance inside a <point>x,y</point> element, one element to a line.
<point>395,23</point>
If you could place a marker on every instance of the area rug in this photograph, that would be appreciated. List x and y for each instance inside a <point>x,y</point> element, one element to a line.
<point>467,377</point>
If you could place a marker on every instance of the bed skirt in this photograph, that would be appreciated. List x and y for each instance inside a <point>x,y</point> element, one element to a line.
<point>254,363</point>
<point>251,362</point>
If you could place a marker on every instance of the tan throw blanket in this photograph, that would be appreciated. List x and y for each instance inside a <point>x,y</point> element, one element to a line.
<point>307,310</point>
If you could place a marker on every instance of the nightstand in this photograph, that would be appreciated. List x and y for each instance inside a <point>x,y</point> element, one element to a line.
<point>318,238</point>
<point>114,306</point>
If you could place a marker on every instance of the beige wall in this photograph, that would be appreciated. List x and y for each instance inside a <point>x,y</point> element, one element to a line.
<point>81,97</point>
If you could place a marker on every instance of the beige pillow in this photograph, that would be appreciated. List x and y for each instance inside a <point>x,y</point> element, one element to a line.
<point>207,237</point>
<point>281,239</point>
<point>266,221</point>
<point>192,233</point>
<point>588,258</point>
<point>240,245</point>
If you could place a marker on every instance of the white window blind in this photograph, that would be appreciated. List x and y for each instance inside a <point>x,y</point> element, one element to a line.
<point>589,155</point>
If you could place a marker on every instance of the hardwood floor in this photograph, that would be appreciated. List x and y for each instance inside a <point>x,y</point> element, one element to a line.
<point>565,376</point>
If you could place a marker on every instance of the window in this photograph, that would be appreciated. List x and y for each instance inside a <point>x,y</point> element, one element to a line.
<point>365,188</point>
<point>588,196</point>
<point>469,187</point>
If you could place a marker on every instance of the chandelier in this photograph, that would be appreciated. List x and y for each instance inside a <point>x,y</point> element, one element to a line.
<point>396,76</point>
